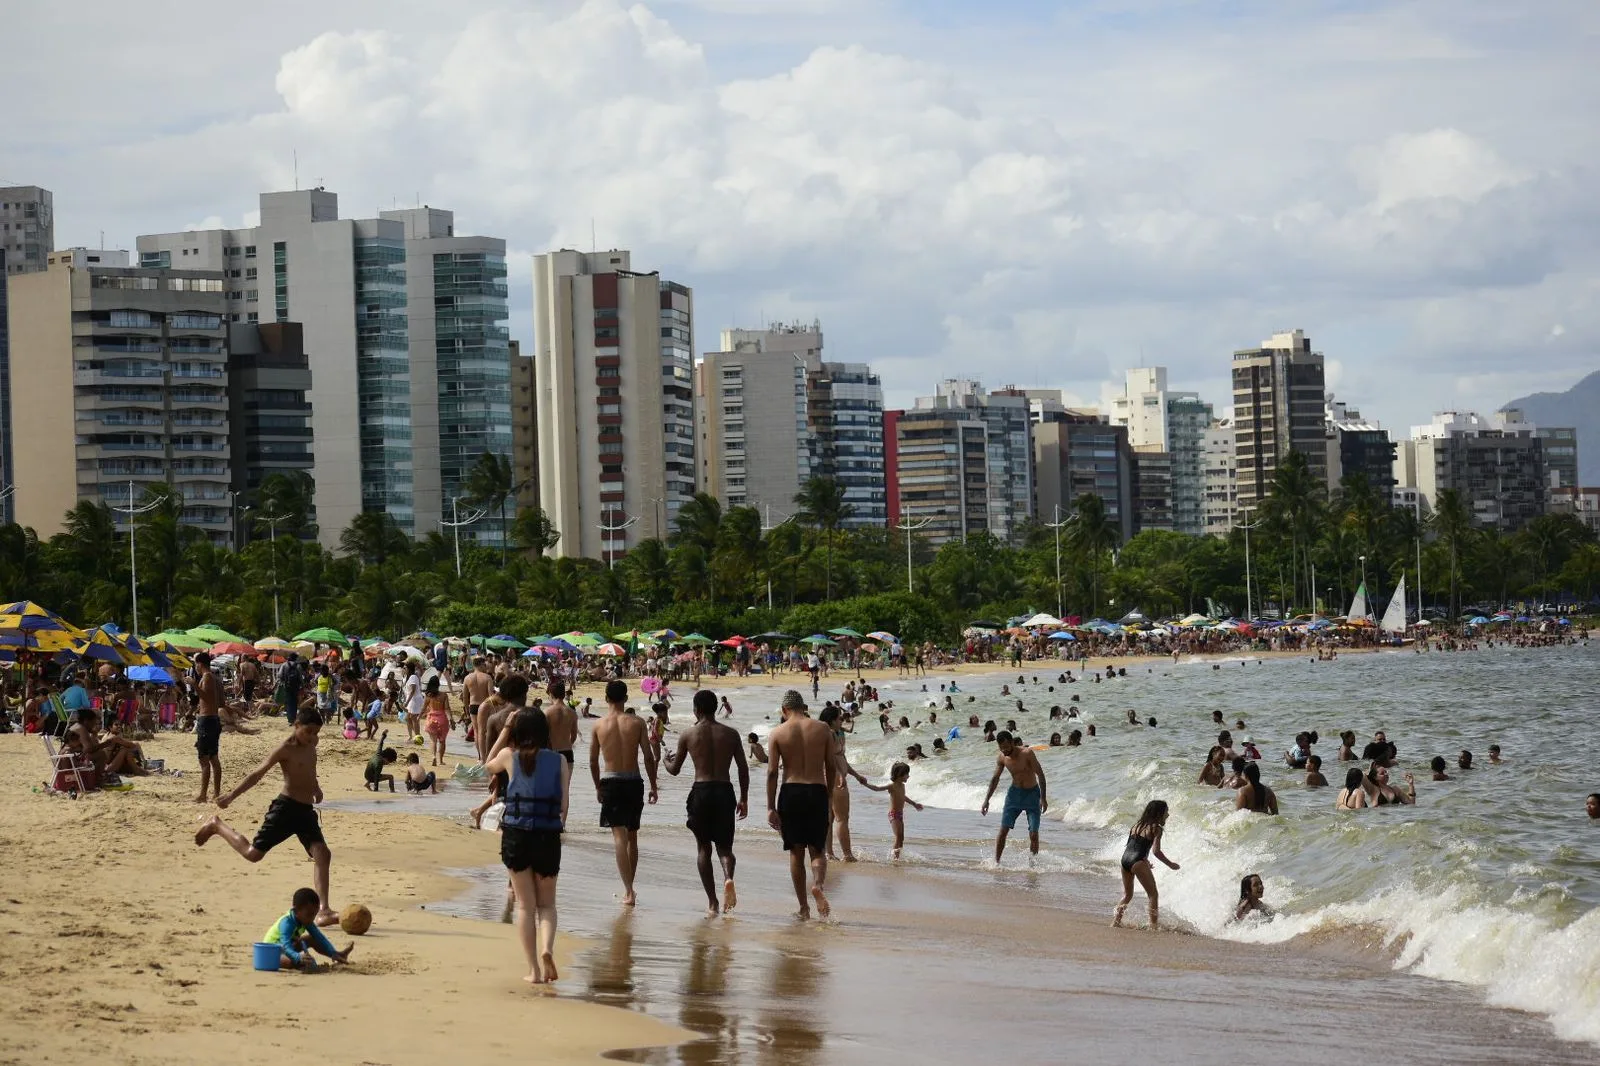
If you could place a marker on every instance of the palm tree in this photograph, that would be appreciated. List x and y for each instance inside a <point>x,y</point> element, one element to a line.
<point>738,554</point>
<point>91,535</point>
<point>694,542</point>
<point>1091,535</point>
<point>490,484</point>
<point>373,537</point>
<point>650,570</point>
<point>288,496</point>
<point>534,532</point>
<point>1452,521</point>
<point>822,505</point>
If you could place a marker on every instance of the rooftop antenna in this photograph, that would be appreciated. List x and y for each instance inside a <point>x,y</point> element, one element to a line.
<point>296,153</point>
<point>594,245</point>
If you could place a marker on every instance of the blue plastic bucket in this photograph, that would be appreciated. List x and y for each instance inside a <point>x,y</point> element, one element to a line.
<point>268,956</point>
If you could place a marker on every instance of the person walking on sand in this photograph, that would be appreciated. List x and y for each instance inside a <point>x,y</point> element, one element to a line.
<point>839,795</point>
<point>208,727</point>
<point>1143,839</point>
<point>292,814</point>
<point>1025,796</point>
<point>714,747</point>
<point>801,751</point>
<point>562,718</point>
<point>537,793</point>
<point>478,686</point>
<point>436,707</point>
<point>621,740</point>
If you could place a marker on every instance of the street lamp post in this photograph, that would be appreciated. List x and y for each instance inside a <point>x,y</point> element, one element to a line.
<point>657,517</point>
<point>1056,525</point>
<point>605,528</point>
<point>1363,559</point>
<point>768,527</point>
<point>1249,602</point>
<point>908,527</point>
<point>457,522</point>
<point>133,558</point>
<point>272,521</point>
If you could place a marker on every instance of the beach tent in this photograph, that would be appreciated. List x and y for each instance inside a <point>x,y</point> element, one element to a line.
<point>1063,635</point>
<point>1042,619</point>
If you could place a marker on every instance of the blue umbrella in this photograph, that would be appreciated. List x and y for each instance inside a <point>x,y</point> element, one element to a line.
<point>1062,636</point>
<point>149,673</point>
<point>559,645</point>
<point>1478,620</point>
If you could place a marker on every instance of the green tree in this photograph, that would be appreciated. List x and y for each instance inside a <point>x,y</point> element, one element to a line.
<point>822,505</point>
<point>489,484</point>
<point>532,531</point>
<point>1452,523</point>
<point>290,498</point>
<point>373,537</point>
<point>1091,535</point>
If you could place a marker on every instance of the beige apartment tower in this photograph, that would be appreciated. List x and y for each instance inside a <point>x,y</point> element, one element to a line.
<point>1278,408</point>
<point>126,375</point>
<point>614,407</point>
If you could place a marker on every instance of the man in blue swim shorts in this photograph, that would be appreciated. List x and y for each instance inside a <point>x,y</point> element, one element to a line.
<point>1025,796</point>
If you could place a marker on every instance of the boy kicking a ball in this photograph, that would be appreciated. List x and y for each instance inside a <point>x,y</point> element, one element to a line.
<point>297,935</point>
<point>292,814</point>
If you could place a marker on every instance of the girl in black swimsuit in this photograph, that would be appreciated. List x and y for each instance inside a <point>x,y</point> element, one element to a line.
<point>1144,838</point>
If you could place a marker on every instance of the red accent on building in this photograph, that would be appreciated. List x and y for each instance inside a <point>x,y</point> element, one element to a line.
<point>605,291</point>
<point>610,477</point>
<point>611,497</point>
<point>891,462</point>
<point>608,420</point>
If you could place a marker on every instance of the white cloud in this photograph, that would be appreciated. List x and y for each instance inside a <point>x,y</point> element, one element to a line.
<point>1396,182</point>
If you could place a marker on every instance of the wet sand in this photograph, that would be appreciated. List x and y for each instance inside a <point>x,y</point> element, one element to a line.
<point>946,966</point>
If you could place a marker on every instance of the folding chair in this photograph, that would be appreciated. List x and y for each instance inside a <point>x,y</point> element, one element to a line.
<point>64,765</point>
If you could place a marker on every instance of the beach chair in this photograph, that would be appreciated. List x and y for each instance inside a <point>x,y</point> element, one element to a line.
<point>68,774</point>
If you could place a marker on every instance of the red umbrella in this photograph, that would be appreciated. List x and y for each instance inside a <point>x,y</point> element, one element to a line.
<point>233,647</point>
<point>732,642</point>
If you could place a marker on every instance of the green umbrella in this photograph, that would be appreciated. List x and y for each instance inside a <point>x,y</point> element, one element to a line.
<point>369,642</point>
<point>601,637</point>
<point>212,633</point>
<point>819,640</point>
<point>583,640</point>
<point>501,643</point>
<point>180,639</point>
<point>696,638</point>
<point>323,635</point>
<point>846,631</point>
<point>476,640</point>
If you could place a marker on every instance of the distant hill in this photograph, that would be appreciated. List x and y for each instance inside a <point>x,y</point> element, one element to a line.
<point>1579,406</point>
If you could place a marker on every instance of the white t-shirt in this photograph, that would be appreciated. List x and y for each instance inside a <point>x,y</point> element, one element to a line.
<point>414,694</point>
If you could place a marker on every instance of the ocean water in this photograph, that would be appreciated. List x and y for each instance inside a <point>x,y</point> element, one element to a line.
<point>1491,880</point>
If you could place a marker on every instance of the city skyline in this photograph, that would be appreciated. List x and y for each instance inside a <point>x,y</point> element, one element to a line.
<point>778,200</point>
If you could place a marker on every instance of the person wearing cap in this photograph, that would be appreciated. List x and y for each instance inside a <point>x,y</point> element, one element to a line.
<point>801,751</point>
<point>1248,749</point>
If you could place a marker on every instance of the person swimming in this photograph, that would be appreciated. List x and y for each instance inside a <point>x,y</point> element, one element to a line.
<point>1251,889</point>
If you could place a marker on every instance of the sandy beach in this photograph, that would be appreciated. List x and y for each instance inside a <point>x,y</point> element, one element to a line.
<point>124,943</point>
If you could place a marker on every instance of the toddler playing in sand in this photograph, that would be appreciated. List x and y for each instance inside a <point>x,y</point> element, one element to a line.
<point>296,934</point>
<point>899,773</point>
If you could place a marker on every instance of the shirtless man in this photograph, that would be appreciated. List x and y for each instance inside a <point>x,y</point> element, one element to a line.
<point>621,739</point>
<point>208,729</point>
<point>498,710</point>
<point>478,685</point>
<point>249,675</point>
<point>802,750</point>
<point>292,814</point>
<point>1025,796</point>
<point>712,808</point>
<point>562,718</point>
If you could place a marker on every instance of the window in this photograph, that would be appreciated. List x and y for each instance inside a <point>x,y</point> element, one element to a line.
<point>249,251</point>
<point>140,319</point>
<point>233,273</point>
<point>733,410</point>
<point>249,273</point>
<point>251,295</point>
<point>733,375</point>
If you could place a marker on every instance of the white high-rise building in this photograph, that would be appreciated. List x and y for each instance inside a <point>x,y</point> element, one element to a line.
<point>1159,419</point>
<point>1219,466</point>
<point>757,380</point>
<point>614,412</point>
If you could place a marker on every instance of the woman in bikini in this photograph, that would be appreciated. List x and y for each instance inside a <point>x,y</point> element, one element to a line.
<point>1352,797</point>
<point>1143,839</point>
<point>1255,796</point>
<point>1212,772</point>
<point>1382,794</point>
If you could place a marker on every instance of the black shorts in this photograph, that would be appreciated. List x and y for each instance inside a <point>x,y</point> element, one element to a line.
<point>803,813</point>
<point>712,807</point>
<point>249,688</point>
<point>207,735</point>
<point>288,818</point>
<point>538,850</point>
<point>567,755</point>
<point>421,786</point>
<point>621,802</point>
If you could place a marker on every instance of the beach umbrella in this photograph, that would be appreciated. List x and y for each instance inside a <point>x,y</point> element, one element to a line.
<point>1063,635</point>
<point>406,652</point>
<point>846,631</point>
<point>559,644</point>
<point>697,639</point>
<point>582,640</point>
<point>1478,620</point>
<point>180,640</point>
<point>370,642</point>
<point>881,635</point>
<point>45,640</point>
<point>771,636</point>
<point>272,644</point>
<point>817,640</point>
<point>538,651</point>
<point>981,624</point>
<point>25,616</point>
<point>211,633</point>
<point>174,656</point>
<point>233,647</point>
<point>664,634</point>
<point>733,642</point>
<point>419,640</point>
<point>103,646</point>
<point>149,673</point>
<point>1042,619</point>
<point>632,634</point>
<point>373,650</point>
<point>323,635</point>
<point>613,650</point>
<point>503,643</point>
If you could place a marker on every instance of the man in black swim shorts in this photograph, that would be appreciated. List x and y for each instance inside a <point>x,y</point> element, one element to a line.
<point>712,807</point>
<point>619,740</point>
<point>801,750</point>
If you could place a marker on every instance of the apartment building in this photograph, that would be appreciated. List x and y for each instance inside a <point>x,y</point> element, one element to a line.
<point>1164,420</point>
<point>1278,396</point>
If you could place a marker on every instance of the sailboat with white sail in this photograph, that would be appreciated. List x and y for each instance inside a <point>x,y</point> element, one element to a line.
<point>1358,606</point>
<point>1394,618</point>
